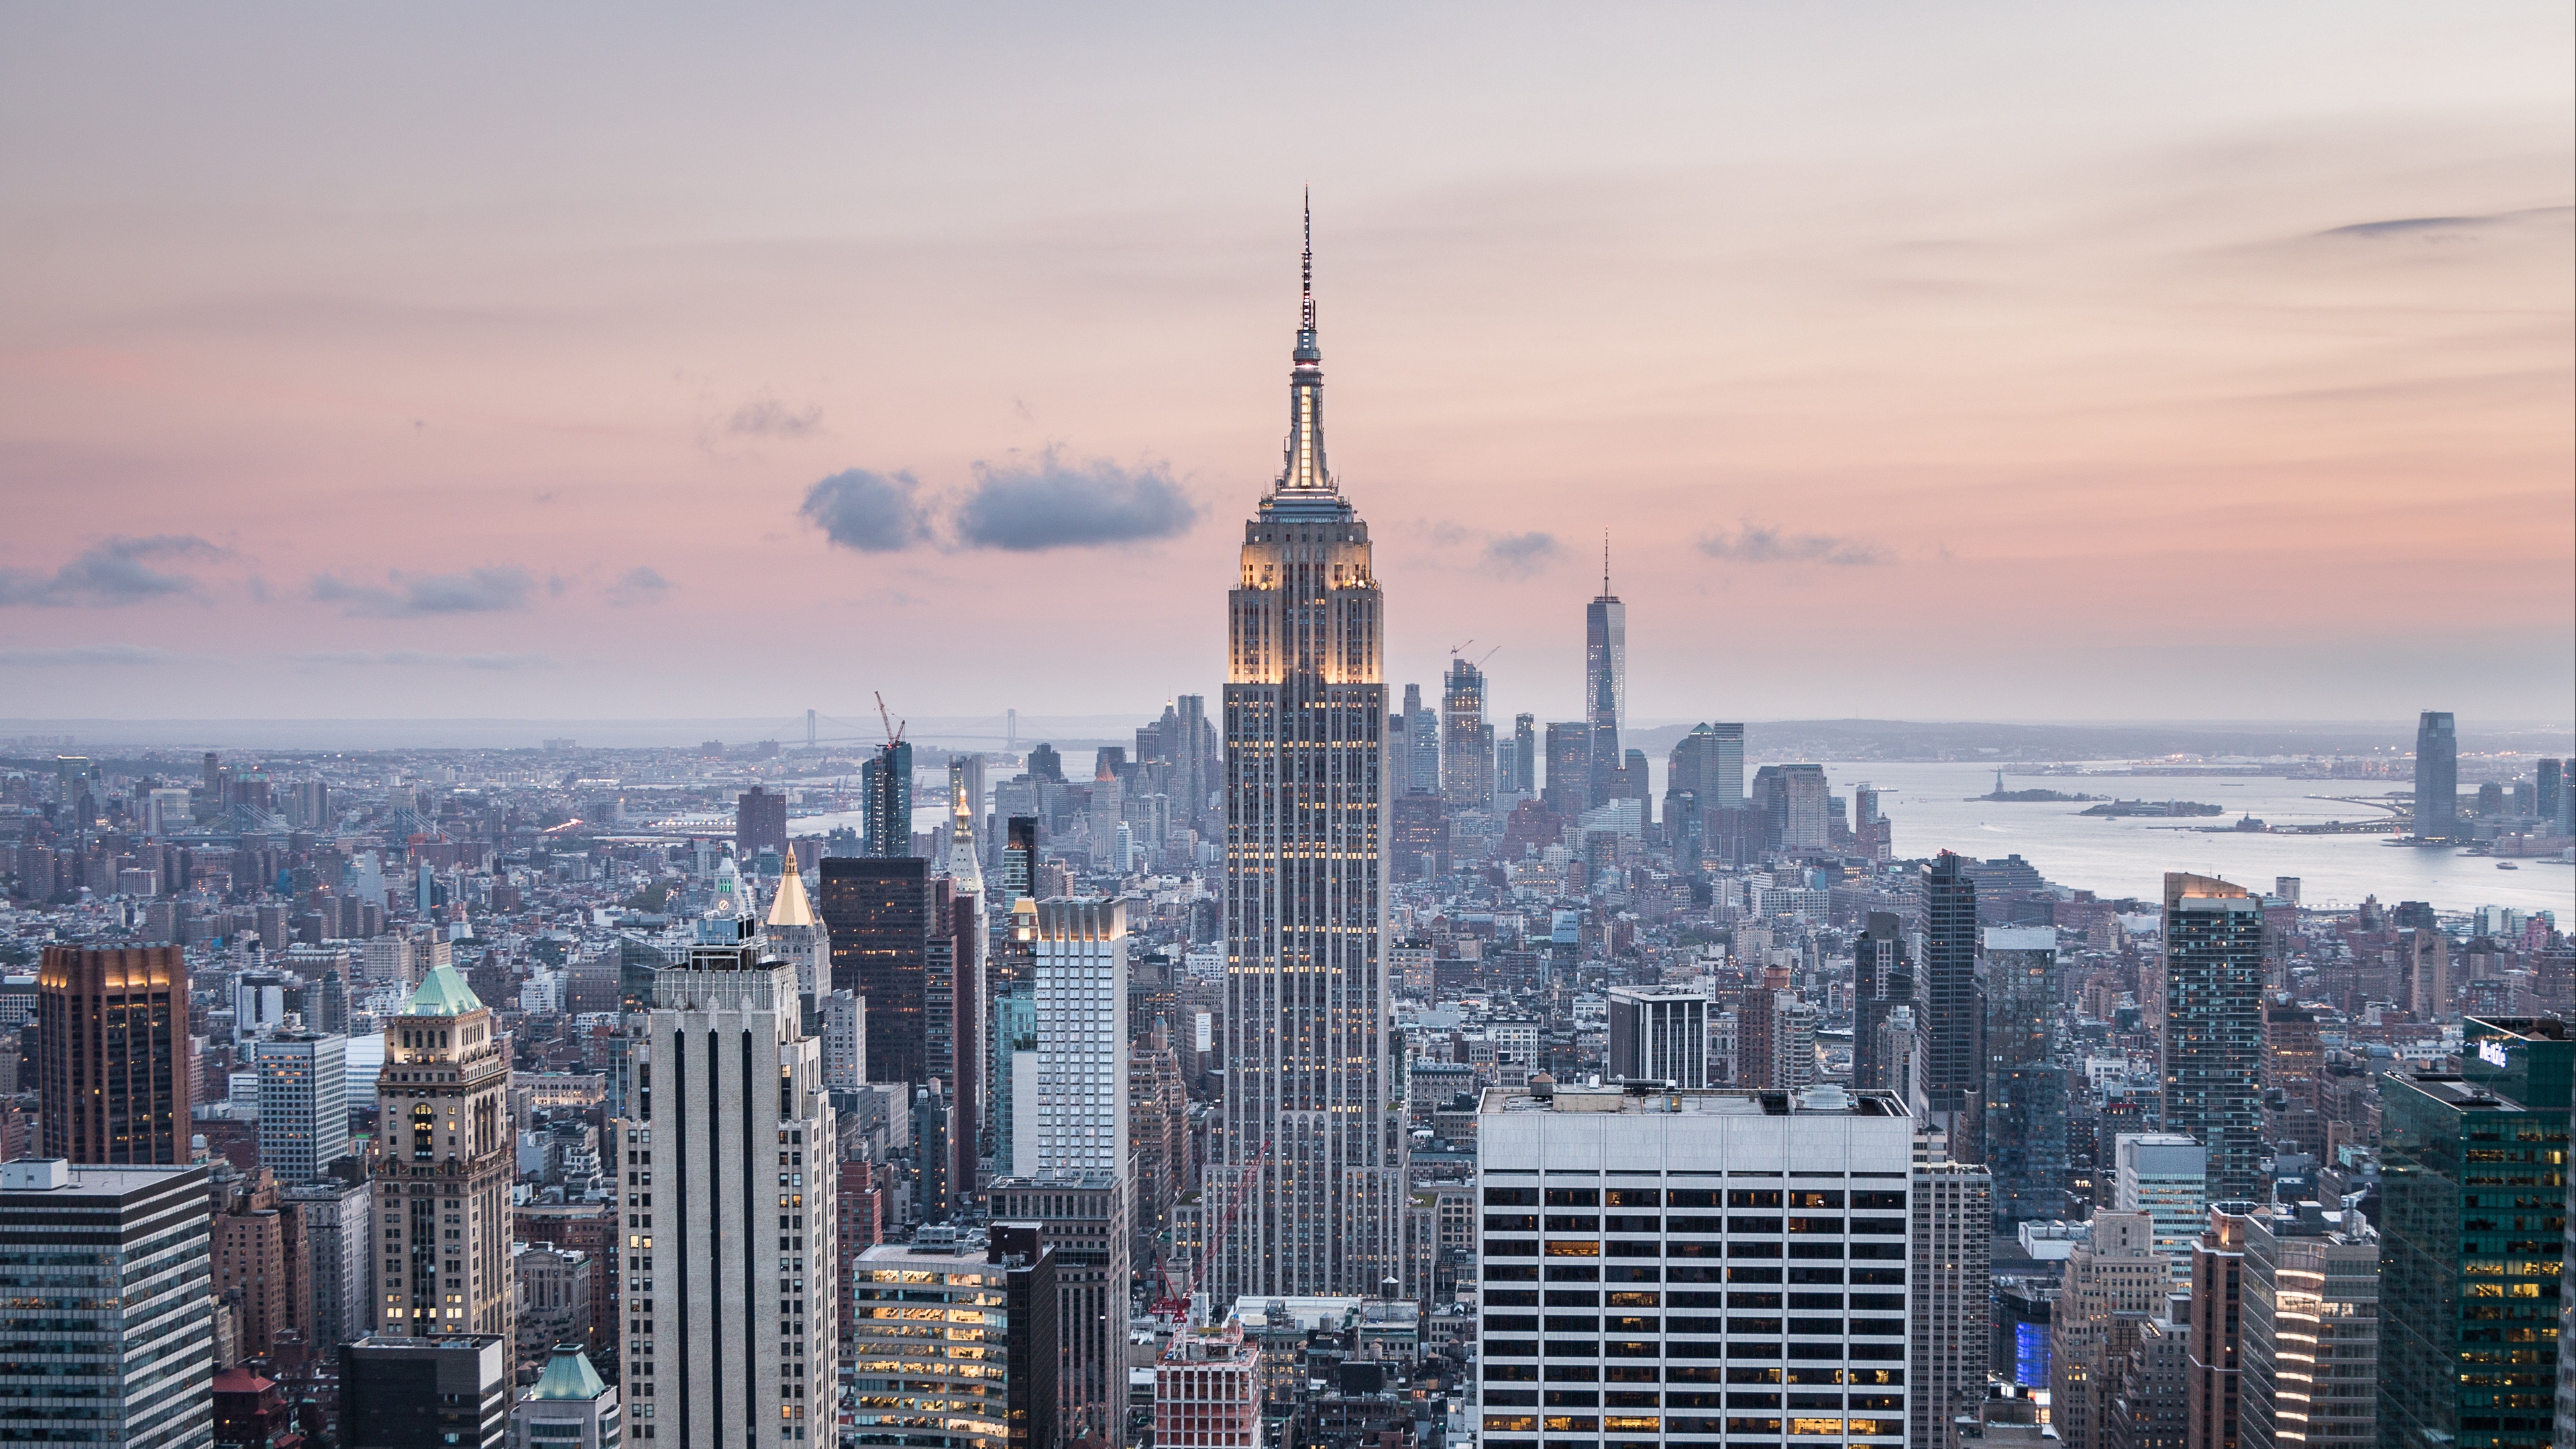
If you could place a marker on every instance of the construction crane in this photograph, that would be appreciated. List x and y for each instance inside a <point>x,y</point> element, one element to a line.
<point>1462,648</point>
<point>894,732</point>
<point>1176,1291</point>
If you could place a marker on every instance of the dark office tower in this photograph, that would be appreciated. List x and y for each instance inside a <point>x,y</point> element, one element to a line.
<point>1308,1139</point>
<point>448,1392</point>
<point>957,1054</point>
<point>2025,1095</point>
<point>759,823</point>
<point>1466,740</point>
<point>1046,764</point>
<point>1196,764</point>
<point>214,778</point>
<point>1030,1356</point>
<point>1605,678</point>
<point>1419,769</point>
<point>878,912</point>
<point>1019,863</point>
<point>112,1052</point>
<point>885,787</point>
<point>1524,777</point>
<point>2213,1035</point>
<point>2472,1167</point>
<point>2550,786</point>
<point>1568,791</point>
<point>1950,1018</point>
<point>1882,980</point>
<point>2437,776</point>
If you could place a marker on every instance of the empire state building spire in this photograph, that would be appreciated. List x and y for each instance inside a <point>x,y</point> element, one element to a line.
<point>1304,450</point>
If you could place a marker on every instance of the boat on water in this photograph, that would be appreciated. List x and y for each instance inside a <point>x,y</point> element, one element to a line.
<point>2507,865</point>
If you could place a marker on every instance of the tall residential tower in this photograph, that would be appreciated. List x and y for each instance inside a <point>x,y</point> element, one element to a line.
<point>1313,1137</point>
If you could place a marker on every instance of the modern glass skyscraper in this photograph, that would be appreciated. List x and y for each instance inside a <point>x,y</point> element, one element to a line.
<point>1467,740</point>
<point>2473,1175</point>
<point>1313,1146</point>
<point>2437,775</point>
<point>2213,1036</point>
<point>1949,1049</point>
<point>885,790</point>
<point>1605,677</point>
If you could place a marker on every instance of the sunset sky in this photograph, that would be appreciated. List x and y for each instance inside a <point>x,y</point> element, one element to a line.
<point>1996,362</point>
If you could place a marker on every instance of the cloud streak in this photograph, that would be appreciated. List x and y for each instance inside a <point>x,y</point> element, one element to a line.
<point>638,586</point>
<point>80,656</point>
<point>121,570</point>
<point>494,589</point>
<point>766,417</point>
<point>416,659</point>
<point>1519,555</point>
<point>1760,543</point>
<point>1051,503</point>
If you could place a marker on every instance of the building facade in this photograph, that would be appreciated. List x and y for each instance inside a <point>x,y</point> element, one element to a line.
<point>1659,1034</point>
<point>1311,1125</point>
<point>1949,1014</point>
<point>735,1129</point>
<point>2309,1354</point>
<point>303,1103</point>
<point>2212,1043</point>
<point>127,1351</point>
<point>112,1055</point>
<point>1951,1329</point>
<point>986,1378</point>
<point>1721,1262</point>
<point>442,1165</point>
<point>2437,776</point>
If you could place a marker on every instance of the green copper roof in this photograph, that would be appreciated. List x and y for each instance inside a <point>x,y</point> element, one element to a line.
<point>568,1375</point>
<point>442,993</point>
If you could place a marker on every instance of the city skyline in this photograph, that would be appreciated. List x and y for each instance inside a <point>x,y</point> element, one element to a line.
<point>2258,346</point>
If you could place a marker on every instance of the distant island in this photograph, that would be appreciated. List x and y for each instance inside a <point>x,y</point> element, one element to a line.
<point>2165,809</point>
<point>2035,797</point>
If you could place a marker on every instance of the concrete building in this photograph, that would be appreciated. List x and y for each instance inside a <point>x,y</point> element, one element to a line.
<point>1950,1330</point>
<point>570,1407</point>
<point>450,1391</point>
<point>1658,1034</point>
<point>987,1380</point>
<point>730,1209</point>
<point>334,1219</point>
<point>303,1103</point>
<point>2164,1176</point>
<point>1693,1263</point>
<point>2117,1278</point>
<point>1207,1390</point>
<point>127,1355</point>
<point>442,1166</point>
<point>1310,1105</point>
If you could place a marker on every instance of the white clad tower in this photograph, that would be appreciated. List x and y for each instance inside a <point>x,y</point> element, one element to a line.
<point>1312,1153</point>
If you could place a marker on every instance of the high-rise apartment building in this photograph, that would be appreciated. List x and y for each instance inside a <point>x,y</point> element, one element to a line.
<point>2309,1356</point>
<point>1310,1114</point>
<point>112,1055</point>
<point>118,1254</point>
<point>1080,967</point>
<point>879,914</point>
<point>1605,679</point>
<point>2472,1167</point>
<point>442,1165</point>
<point>2212,1043</point>
<point>1419,770</point>
<point>2025,1091</point>
<point>2437,776</point>
<point>2166,1176</point>
<point>1466,739</point>
<point>1951,1330</point>
<point>1949,1014</point>
<point>1523,779</point>
<point>1659,1034</point>
<point>1667,1264</point>
<point>885,789</point>
<point>303,1103</point>
<point>987,1379</point>
<point>1882,980</point>
<point>734,1130</point>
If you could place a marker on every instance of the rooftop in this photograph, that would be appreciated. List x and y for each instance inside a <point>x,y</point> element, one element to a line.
<point>1641,1098</point>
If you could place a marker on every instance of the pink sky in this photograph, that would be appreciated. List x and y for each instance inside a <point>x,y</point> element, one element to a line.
<point>2006,362</point>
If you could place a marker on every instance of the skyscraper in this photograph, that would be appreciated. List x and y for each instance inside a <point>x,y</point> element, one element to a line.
<point>1951,1342</point>
<point>885,789</point>
<point>2025,1091</point>
<point>730,1281</point>
<point>2115,1278</point>
<point>2213,1033</point>
<point>879,915</point>
<point>442,1163</point>
<point>759,823</point>
<point>1704,1254</point>
<point>1568,791</point>
<point>1882,980</point>
<point>1605,678</point>
<point>112,1053</point>
<point>2470,1163</point>
<point>1466,739</point>
<point>796,934</point>
<point>2310,1331</point>
<point>2437,776</point>
<point>1659,1034</point>
<point>1949,1052</point>
<point>1524,776</point>
<point>126,1247</point>
<point>1312,1133</point>
<point>303,1103</point>
<point>1708,764</point>
<point>1419,771</point>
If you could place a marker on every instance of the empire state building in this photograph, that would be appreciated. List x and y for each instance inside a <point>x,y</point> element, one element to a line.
<point>1304,1196</point>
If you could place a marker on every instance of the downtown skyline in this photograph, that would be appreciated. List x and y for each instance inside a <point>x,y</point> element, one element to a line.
<point>2206,391</point>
